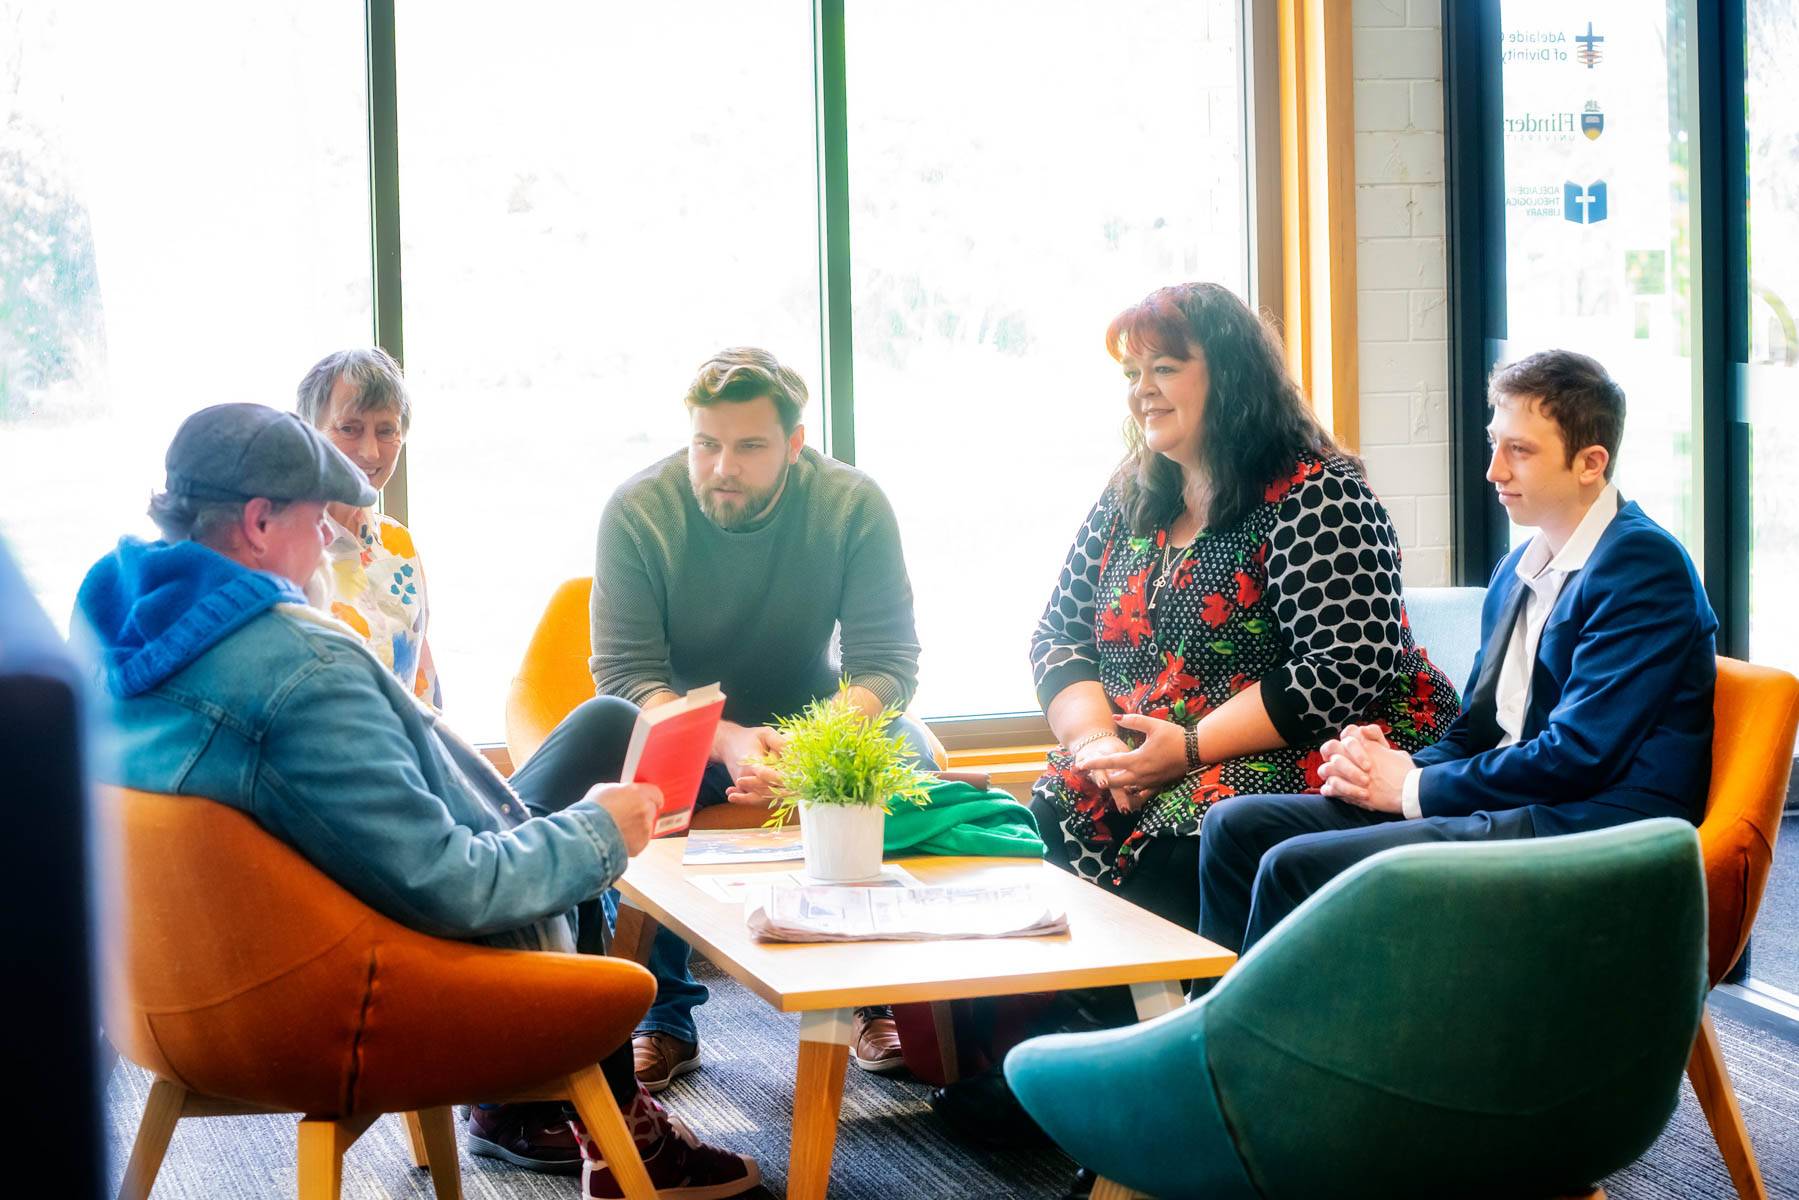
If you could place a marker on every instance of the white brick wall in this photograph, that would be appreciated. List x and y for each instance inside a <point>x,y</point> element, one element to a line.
<point>1400,297</point>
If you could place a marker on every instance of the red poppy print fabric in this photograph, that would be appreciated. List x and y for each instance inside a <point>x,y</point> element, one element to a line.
<point>1301,597</point>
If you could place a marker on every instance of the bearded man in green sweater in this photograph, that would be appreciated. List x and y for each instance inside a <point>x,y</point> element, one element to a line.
<point>751,560</point>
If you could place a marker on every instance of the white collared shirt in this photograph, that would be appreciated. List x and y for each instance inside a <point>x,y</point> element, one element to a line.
<point>1544,576</point>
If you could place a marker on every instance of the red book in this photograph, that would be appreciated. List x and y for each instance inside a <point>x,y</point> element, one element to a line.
<point>669,748</point>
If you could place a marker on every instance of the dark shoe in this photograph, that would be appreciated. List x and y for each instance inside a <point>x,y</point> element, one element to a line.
<point>982,1109</point>
<point>681,1167</point>
<point>661,1058</point>
<point>534,1136</point>
<point>1081,1185</point>
<point>876,1045</point>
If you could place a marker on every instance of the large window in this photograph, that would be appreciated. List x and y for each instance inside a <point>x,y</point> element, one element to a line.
<point>1001,216</point>
<point>590,200</point>
<point>585,221</point>
<point>183,221</point>
<point>1770,380</point>
<point>1598,248</point>
<point>586,216</point>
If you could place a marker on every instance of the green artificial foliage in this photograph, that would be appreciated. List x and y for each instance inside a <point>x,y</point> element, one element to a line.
<point>837,754</point>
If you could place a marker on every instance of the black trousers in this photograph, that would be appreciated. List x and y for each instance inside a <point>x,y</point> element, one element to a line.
<point>588,747</point>
<point>1261,856</point>
<point>1162,880</point>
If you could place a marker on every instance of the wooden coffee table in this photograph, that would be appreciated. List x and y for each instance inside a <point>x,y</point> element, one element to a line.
<point>1109,941</point>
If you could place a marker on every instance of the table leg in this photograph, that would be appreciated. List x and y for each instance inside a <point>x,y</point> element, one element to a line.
<point>1154,999</point>
<point>817,1099</point>
<point>943,1021</point>
<point>634,933</point>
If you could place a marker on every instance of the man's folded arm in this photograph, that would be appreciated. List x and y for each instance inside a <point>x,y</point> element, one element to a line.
<point>341,782</point>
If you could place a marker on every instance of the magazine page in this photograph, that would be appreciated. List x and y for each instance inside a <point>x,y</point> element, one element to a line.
<point>714,847</point>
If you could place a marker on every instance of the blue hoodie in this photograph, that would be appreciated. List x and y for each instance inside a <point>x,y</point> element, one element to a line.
<point>223,684</point>
<point>156,607</point>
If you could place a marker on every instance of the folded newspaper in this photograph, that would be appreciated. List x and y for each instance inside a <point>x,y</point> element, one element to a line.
<point>855,914</point>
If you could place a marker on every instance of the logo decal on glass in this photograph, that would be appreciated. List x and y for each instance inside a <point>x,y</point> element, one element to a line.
<point>1589,52</point>
<point>1584,206</point>
<point>1592,121</point>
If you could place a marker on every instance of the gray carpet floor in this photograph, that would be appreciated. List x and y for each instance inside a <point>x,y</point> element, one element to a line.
<point>890,1145</point>
<point>1774,954</point>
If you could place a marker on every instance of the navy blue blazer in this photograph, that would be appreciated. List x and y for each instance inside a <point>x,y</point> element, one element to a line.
<point>1619,719</point>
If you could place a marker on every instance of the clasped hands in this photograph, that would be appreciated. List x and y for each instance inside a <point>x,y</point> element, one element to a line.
<point>1130,776</point>
<point>1360,768</point>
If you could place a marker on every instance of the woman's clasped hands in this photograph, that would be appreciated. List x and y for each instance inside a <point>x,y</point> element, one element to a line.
<point>1133,776</point>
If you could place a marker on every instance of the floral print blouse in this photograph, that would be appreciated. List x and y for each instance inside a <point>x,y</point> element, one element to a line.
<point>377,588</point>
<point>1302,596</point>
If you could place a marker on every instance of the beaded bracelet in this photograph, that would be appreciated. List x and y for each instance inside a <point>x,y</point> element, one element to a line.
<point>1194,762</point>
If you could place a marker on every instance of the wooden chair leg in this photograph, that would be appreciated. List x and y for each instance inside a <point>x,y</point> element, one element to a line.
<point>322,1145</point>
<point>1711,1082</point>
<point>1105,1189</point>
<point>415,1135</point>
<point>592,1098</point>
<point>152,1142</point>
<point>436,1137</point>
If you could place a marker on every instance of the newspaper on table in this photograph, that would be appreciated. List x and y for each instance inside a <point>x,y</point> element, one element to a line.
<point>854,914</point>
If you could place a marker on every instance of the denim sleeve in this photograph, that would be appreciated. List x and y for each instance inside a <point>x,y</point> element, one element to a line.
<point>341,780</point>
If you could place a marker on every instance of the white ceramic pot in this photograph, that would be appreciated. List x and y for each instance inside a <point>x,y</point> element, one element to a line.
<point>843,841</point>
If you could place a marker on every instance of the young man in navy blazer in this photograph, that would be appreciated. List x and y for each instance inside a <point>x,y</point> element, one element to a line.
<point>1591,699</point>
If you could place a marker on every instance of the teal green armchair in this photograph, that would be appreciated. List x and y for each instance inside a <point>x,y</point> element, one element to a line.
<point>1507,1019</point>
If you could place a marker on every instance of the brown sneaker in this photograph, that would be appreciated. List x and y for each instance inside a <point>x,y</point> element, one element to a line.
<point>660,1058</point>
<point>681,1167</point>
<point>535,1136</point>
<point>876,1046</point>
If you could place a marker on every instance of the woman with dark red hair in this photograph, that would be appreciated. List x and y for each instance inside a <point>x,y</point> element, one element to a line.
<point>1231,602</point>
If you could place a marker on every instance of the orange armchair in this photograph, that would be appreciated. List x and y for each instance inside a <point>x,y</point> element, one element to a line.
<point>247,981</point>
<point>1757,711</point>
<point>554,678</point>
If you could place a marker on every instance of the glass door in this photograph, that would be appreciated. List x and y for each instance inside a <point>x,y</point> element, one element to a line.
<point>1598,228</point>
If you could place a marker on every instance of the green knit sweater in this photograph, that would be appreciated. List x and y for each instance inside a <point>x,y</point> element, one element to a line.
<point>962,819</point>
<point>679,602</point>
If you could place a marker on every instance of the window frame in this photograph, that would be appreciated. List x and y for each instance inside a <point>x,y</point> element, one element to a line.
<point>1259,110</point>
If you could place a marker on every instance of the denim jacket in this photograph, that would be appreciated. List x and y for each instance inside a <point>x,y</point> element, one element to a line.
<point>223,684</point>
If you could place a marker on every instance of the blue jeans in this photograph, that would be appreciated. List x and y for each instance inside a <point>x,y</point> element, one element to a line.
<point>678,993</point>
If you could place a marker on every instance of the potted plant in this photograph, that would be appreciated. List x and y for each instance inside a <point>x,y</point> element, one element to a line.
<point>842,771</point>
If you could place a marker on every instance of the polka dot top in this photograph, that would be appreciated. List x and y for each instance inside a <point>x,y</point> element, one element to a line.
<point>1302,596</point>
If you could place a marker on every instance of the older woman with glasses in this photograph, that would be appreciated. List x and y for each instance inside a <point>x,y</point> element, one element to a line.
<point>371,577</point>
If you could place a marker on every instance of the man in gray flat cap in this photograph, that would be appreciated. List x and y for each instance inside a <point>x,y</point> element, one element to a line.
<point>224,684</point>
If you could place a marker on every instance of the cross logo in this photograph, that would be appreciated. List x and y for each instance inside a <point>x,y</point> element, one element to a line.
<point>1584,206</point>
<point>1589,52</point>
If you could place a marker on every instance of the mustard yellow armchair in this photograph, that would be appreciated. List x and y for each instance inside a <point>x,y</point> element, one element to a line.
<point>1757,711</point>
<point>248,982</point>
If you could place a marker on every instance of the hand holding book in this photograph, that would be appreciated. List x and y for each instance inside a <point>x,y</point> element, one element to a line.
<point>633,807</point>
<point>670,747</point>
